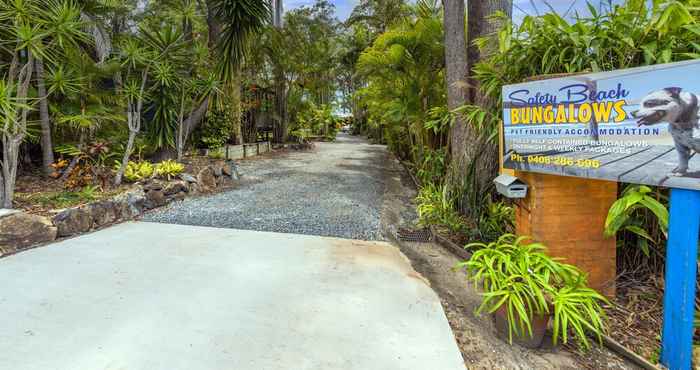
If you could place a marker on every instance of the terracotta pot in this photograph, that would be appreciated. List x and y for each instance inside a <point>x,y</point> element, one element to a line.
<point>538,323</point>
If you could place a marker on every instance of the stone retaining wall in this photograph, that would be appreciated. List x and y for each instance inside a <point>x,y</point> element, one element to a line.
<point>20,230</point>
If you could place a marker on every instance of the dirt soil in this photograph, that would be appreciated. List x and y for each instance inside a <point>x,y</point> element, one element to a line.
<point>475,335</point>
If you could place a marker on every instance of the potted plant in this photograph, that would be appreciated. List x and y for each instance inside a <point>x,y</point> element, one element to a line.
<point>524,288</point>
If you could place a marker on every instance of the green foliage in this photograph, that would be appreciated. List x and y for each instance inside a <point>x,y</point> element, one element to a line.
<point>432,168</point>
<point>630,213</point>
<point>168,169</point>
<point>436,208</point>
<point>405,92</point>
<point>240,21</point>
<point>216,155</point>
<point>216,130</point>
<point>66,199</point>
<point>497,219</point>
<point>520,277</point>
<point>137,171</point>
<point>315,121</point>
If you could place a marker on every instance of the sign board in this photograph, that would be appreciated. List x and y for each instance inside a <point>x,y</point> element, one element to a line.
<point>635,125</point>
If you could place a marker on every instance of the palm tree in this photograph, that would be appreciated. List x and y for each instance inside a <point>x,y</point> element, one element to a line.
<point>31,30</point>
<point>239,21</point>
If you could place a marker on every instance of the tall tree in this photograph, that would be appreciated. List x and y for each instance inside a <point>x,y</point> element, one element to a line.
<point>46,143</point>
<point>474,155</point>
<point>457,75</point>
<point>240,21</point>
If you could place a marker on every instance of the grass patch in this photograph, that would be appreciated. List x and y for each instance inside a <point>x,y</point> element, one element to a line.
<point>64,199</point>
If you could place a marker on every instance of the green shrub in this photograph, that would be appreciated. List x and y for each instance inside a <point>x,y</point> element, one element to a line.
<point>169,169</point>
<point>436,208</point>
<point>497,218</point>
<point>217,130</point>
<point>523,279</point>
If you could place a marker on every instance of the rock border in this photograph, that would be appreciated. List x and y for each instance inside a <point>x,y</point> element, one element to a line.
<point>20,230</point>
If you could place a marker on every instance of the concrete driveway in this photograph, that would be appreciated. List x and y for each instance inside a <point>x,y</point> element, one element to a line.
<point>157,296</point>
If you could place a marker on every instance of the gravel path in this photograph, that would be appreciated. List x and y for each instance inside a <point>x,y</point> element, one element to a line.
<point>334,190</point>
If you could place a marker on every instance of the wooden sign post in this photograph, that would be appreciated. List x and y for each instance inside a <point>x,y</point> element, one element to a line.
<point>679,289</point>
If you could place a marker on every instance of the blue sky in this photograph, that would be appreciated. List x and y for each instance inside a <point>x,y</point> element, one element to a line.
<point>520,7</point>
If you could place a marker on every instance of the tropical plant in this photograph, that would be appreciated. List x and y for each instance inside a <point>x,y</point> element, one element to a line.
<point>435,207</point>
<point>136,171</point>
<point>216,130</point>
<point>168,169</point>
<point>497,219</point>
<point>630,213</point>
<point>519,277</point>
<point>404,70</point>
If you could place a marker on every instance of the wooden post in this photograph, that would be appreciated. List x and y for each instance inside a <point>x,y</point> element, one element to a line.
<point>679,290</point>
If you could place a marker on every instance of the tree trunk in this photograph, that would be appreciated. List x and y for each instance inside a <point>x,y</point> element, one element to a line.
<point>457,74</point>
<point>481,25</point>
<point>474,158</point>
<point>125,159</point>
<point>236,106</point>
<point>212,25</point>
<point>280,131</point>
<point>46,143</point>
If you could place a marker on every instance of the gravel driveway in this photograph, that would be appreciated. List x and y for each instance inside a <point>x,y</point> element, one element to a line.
<point>335,189</point>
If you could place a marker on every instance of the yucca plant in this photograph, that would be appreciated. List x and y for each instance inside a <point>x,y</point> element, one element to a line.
<point>519,278</point>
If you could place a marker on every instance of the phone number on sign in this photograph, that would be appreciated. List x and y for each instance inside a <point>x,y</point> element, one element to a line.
<point>558,161</point>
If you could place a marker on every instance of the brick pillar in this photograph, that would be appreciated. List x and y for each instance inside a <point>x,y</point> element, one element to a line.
<point>567,214</point>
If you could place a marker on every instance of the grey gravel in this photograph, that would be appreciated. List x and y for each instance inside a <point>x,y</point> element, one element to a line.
<point>335,189</point>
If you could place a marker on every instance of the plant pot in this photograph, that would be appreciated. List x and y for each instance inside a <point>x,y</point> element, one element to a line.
<point>538,323</point>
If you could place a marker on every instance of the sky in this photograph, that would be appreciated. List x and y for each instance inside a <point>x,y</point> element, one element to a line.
<point>520,7</point>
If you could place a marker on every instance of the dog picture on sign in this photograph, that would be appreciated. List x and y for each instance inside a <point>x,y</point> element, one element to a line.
<point>680,110</point>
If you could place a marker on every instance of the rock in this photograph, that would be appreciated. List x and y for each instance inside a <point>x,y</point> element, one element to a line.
<point>205,180</point>
<point>176,187</point>
<point>180,196</point>
<point>231,170</point>
<point>155,199</point>
<point>130,204</point>
<point>102,213</point>
<point>218,168</point>
<point>73,221</point>
<point>153,185</point>
<point>19,230</point>
<point>188,178</point>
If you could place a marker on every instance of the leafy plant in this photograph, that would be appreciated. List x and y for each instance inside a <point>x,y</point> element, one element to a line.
<point>169,169</point>
<point>216,130</point>
<point>432,168</point>
<point>137,171</point>
<point>627,213</point>
<point>436,208</point>
<point>520,277</point>
<point>65,199</point>
<point>497,219</point>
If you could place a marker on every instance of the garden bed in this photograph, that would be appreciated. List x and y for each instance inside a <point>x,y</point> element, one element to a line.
<point>45,209</point>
